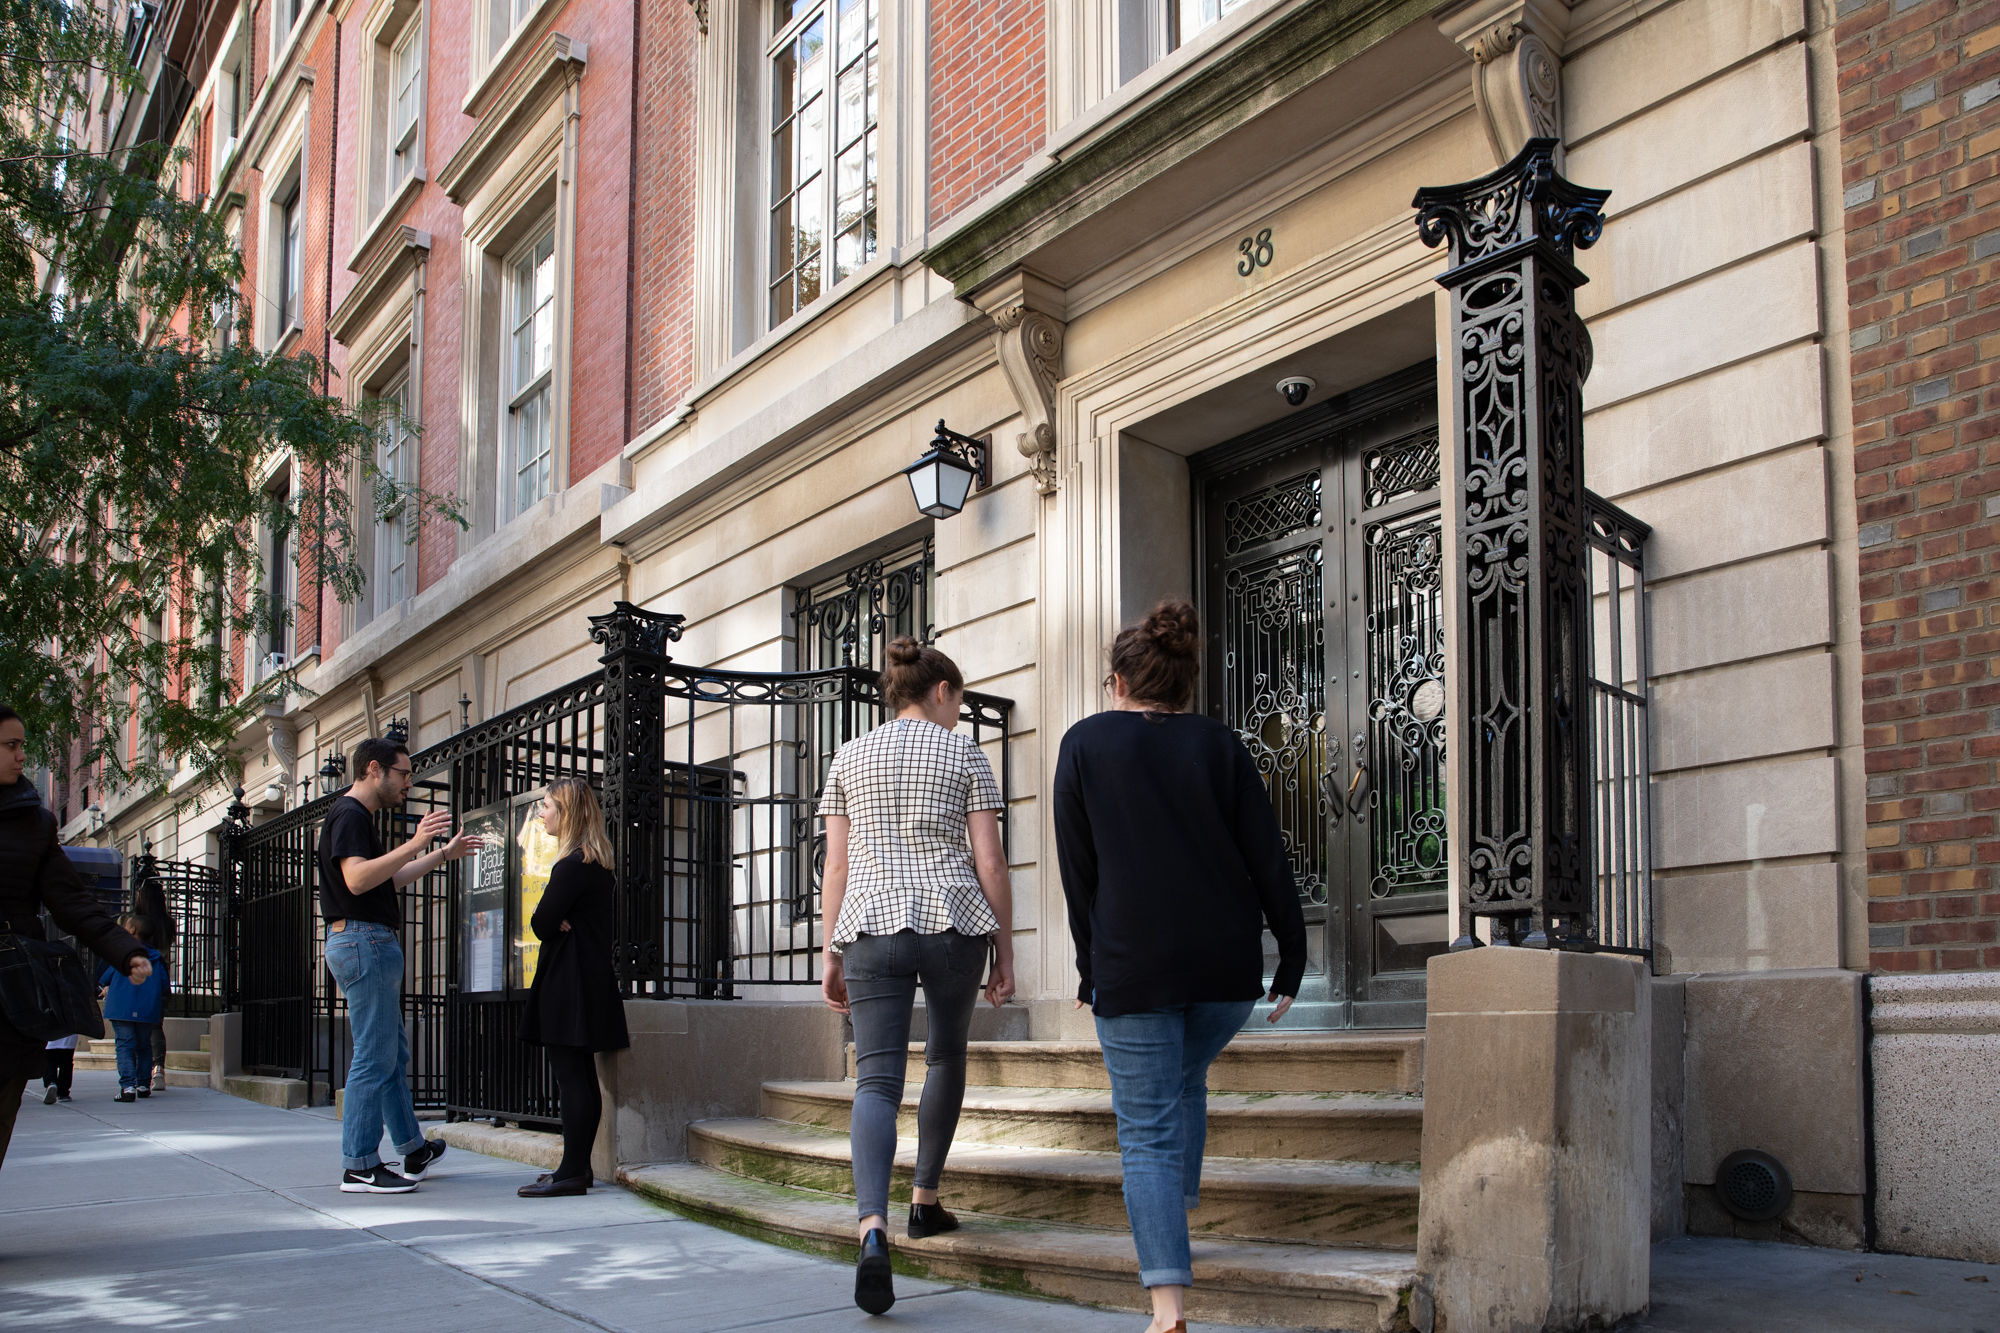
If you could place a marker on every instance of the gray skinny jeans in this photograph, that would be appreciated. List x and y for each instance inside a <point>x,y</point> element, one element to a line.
<point>883,973</point>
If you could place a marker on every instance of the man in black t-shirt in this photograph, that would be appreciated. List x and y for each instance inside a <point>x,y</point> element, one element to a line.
<point>357,900</point>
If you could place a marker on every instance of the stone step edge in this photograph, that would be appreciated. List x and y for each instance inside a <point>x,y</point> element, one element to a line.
<point>1011,1098</point>
<point>1303,1284</point>
<point>1084,1166</point>
<point>1400,1051</point>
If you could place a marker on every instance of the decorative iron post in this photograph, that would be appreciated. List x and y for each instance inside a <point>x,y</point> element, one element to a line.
<point>635,789</point>
<point>1520,355</point>
<point>235,824</point>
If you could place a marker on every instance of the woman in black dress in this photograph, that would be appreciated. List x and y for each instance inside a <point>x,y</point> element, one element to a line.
<point>574,1009</point>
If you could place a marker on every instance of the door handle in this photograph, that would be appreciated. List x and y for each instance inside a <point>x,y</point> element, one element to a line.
<point>1357,789</point>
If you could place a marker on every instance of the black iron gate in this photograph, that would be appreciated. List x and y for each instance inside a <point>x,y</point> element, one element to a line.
<point>708,780</point>
<point>200,974</point>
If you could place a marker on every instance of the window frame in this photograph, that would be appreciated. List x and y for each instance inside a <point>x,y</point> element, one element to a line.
<point>405,140</point>
<point>782,40</point>
<point>394,536</point>
<point>540,387</point>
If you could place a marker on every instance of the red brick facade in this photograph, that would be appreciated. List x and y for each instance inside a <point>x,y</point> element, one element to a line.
<point>663,276</point>
<point>1920,107</point>
<point>989,95</point>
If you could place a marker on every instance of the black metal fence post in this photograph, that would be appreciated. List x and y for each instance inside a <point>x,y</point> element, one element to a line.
<point>1520,354</point>
<point>635,655</point>
<point>235,826</point>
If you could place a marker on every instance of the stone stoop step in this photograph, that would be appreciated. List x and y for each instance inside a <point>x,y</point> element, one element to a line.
<point>1352,1126</point>
<point>185,1069</point>
<point>1345,1062</point>
<point>1235,1281</point>
<point>1309,1191</point>
<point>1364,1203</point>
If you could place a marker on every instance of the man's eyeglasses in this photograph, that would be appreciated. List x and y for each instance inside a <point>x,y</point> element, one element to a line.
<point>399,772</point>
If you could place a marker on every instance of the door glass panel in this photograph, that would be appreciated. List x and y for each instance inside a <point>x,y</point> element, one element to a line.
<point>1274,696</point>
<point>1406,723</point>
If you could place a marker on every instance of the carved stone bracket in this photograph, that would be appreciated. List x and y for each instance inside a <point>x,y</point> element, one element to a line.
<point>1028,313</point>
<point>1516,47</point>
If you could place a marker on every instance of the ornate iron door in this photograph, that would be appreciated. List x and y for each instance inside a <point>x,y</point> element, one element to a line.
<point>1321,543</point>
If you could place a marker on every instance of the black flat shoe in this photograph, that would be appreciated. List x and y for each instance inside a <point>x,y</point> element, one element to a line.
<point>549,1188</point>
<point>874,1281</point>
<point>547,1176</point>
<point>930,1219</point>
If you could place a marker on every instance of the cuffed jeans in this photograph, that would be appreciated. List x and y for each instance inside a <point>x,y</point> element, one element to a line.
<point>133,1043</point>
<point>883,973</point>
<point>367,963</point>
<point>1158,1060</point>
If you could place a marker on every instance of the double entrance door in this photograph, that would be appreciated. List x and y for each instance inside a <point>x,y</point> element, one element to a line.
<point>1321,559</point>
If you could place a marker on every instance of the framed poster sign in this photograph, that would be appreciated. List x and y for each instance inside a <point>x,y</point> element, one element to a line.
<point>534,855</point>
<point>482,906</point>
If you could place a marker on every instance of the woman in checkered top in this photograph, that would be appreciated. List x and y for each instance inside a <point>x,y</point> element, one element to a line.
<point>916,890</point>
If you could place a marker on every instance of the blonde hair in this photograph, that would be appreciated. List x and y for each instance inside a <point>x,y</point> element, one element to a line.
<point>579,821</point>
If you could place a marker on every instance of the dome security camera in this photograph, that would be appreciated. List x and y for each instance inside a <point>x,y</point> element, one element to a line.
<point>1295,388</point>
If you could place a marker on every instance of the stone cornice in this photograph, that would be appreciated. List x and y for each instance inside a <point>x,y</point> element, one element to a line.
<point>1155,135</point>
<point>275,116</point>
<point>557,62</point>
<point>388,262</point>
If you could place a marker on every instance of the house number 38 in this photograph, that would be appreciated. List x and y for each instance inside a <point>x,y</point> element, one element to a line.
<point>1256,251</point>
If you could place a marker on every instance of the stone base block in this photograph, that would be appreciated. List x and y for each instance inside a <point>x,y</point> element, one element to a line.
<point>289,1093</point>
<point>1537,1167</point>
<point>1936,1057</point>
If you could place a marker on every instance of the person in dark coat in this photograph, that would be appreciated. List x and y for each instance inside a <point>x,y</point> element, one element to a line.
<point>35,873</point>
<point>149,904</point>
<point>574,1010</point>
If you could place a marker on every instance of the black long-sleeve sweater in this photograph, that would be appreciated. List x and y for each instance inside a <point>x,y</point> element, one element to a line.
<point>1172,863</point>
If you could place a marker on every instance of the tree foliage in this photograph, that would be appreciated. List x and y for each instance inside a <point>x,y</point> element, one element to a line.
<point>132,441</point>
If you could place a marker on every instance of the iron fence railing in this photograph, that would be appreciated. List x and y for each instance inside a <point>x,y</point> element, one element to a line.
<point>709,779</point>
<point>1620,757</point>
<point>200,972</point>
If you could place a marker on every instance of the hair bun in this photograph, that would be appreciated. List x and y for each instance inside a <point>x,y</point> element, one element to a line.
<point>904,651</point>
<point>1174,628</point>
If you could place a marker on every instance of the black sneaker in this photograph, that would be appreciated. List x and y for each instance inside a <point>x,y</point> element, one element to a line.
<point>143,1092</point>
<point>124,1095</point>
<point>49,1095</point>
<point>62,1096</point>
<point>418,1164</point>
<point>376,1179</point>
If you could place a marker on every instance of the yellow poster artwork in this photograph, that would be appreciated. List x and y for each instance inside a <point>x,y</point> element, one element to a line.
<point>534,856</point>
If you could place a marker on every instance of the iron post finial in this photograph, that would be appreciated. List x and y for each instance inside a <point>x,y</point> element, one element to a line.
<point>398,731</point>
<point>464,710</point>
<point>1525,203</point>
<point>628,628</point>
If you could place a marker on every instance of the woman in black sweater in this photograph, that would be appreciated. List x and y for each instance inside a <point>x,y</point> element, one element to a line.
<point>574,1009</point>
<point>1172,864</point>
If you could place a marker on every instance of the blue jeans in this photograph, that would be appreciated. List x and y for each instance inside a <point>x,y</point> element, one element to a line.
<point>1158,1060</point>
<point>367,964</point>
<point>134,1043</point>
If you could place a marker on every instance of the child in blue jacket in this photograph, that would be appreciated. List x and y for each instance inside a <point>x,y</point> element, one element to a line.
<point>133,1012</point>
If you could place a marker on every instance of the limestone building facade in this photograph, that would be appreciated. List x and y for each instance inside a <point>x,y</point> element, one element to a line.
<point>677,290</point>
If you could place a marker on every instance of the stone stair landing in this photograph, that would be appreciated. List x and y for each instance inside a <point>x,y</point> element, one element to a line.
<point>1309,1188</point>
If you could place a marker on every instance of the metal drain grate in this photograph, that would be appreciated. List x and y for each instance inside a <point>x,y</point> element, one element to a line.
<point>1753,1185</point>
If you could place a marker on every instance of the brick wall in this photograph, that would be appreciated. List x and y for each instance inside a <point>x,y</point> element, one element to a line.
<point>1920,109</point>
<point>663,273</point>
<point>989,95</point>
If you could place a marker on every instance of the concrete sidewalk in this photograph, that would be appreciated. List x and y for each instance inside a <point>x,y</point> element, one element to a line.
<point>195,1209</point>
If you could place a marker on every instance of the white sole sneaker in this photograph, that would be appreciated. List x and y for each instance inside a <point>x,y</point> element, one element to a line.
<point>371,1184</point>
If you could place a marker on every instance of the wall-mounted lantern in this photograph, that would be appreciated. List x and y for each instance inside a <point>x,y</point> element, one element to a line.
<point>948,472</point>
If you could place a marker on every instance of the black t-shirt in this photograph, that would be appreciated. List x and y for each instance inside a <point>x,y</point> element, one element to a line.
<point>349,830</point>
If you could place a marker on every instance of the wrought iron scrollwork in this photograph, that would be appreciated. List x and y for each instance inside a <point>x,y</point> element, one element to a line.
<point>626,626</point>
<point>1272,513</point>
<point>1406,704</point>
<point>1274,685</point>
<point>1401,467</point>
<point>847,621</point>
<point>1520,353</point>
